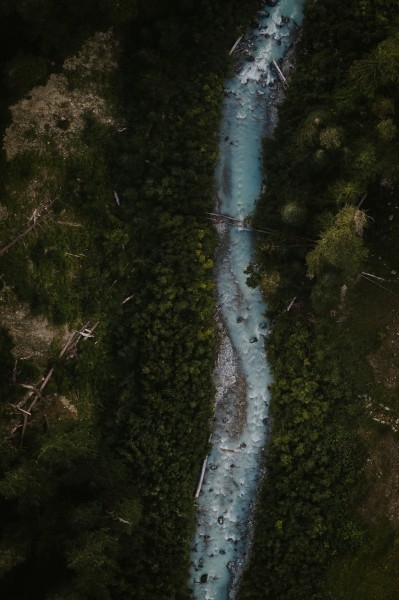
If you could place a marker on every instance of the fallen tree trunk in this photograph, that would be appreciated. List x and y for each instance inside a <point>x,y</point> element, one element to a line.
<point>279,72</point>
<point>201,479</point>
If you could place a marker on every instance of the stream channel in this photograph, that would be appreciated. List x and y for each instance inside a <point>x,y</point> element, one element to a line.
<point>226,502</point>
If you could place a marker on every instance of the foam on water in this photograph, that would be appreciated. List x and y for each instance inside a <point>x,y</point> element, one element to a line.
<point>242,376</point>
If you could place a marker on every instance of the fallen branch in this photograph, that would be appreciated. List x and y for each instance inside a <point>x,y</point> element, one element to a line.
<point>291,304</point>
<point>117,200</point>
<point>201,479</point>
<point>127,299</point>
<point>24,425</point>
<point>21,409</point>
<point>69,343</point>
<point>69,223</point>
<point>219,307</point>
<point>85,333</point>
<point>371,275</point>
<point>235,45</point>
<point>279,72</point>
<point>47,379</point>
<point>14,371</point>
<point>116,518</point>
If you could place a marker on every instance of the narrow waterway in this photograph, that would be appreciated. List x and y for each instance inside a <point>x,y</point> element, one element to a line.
<point>225,504</point>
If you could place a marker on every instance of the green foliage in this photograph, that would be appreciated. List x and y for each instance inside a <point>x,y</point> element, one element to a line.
<point>93,561</point>
<point>340,246</point>
<point>347,192</point>
<point>333,148</point>
<point>379,69</point>
<point>14,550</point>
<point>292,214</point>
<point>7,361</point>
<point>334,154</point>
<point>387,130</point>
<point>121,12</point>
<point>312,468</point>
<point>371,573</point>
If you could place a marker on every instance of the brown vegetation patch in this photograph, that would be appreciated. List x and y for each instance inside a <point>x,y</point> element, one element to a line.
<point>33,336</point>
<point>96,56</point>
<point>53,115</point>
<point>385,361</point>
<point>37,119</point>
<point>382,471</point>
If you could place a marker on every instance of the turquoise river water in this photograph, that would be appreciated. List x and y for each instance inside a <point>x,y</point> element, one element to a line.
<point>225,504</point>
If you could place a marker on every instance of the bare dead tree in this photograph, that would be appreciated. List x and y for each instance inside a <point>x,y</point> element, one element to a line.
<point>34,393</point>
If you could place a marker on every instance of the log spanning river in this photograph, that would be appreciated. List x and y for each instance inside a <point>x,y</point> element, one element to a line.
<point>225,504</point>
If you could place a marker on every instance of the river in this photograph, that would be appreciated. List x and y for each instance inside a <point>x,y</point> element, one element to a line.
<point>225,505</point>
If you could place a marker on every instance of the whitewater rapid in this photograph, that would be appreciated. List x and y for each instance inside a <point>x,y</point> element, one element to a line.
<point>239,431</point>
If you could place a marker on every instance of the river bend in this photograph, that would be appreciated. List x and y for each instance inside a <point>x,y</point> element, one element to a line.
<point>225,504</point>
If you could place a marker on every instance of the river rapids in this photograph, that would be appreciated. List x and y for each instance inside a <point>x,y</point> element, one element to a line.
<point>233,471</point>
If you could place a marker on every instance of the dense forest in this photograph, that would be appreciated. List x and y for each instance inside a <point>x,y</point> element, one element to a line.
<point>109,116</point>
<point>327,518</point>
